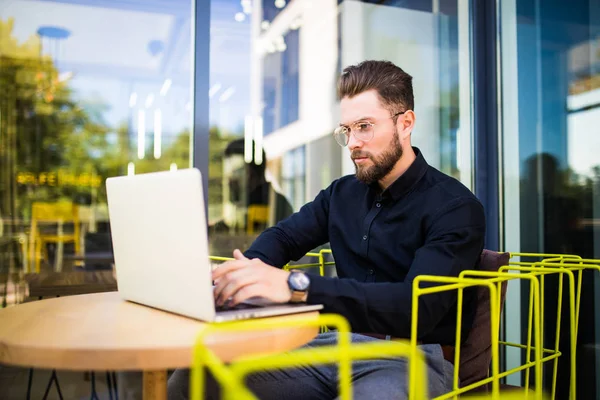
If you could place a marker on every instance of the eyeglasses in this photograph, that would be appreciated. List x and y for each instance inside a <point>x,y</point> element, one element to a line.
<point>362,130</point>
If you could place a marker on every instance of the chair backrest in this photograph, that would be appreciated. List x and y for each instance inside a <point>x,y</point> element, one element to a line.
<point>476,351</point>
<point>257,214</point>
<point>53,212</point>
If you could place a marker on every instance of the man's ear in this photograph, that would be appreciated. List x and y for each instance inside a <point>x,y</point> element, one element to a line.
<point>406,123</point>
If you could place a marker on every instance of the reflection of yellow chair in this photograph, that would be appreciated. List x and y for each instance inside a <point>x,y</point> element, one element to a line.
<point>53,214</point>
<point>257,214</point>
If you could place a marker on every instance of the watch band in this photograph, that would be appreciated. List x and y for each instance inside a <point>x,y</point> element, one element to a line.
<point>297,296</point>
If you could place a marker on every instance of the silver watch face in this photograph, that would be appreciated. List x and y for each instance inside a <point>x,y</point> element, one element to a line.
<point>299,281</point>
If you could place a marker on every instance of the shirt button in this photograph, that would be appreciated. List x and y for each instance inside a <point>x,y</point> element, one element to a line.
<point>371,272</point>
<point>378,205</point>
<point>365,237</point>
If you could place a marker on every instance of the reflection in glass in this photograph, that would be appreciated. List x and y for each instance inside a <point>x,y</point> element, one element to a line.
<point>273,81</point>
<point>293,174</point>
<point>280,91</point>
<point>244,194</point>
<point>432,46</point>
<point>88,92</point>
<point>551,100</point>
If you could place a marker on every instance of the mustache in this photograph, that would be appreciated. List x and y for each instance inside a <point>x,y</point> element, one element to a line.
<point>360,154</point>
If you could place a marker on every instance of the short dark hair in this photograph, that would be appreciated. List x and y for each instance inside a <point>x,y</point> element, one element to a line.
<point>393,85</point>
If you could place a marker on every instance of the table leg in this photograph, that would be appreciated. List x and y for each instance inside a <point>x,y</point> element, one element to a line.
<point>155,385</point>
<point>60,248</point>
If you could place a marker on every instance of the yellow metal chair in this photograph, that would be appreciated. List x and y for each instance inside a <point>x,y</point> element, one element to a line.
<point>535,273</point>
<point>231,377</point>
<point>320,255</point>
<point>257,214</point>
<point>445,283</point>
<point>563,264</point>
<point>58,214</point>
<point>321,264</point>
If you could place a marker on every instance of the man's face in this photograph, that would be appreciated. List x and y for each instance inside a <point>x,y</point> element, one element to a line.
<point>375,158</point>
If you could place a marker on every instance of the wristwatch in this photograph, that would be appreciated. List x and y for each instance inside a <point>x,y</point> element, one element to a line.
<point>298,282</point>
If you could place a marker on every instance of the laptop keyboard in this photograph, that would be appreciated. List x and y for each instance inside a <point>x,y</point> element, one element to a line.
<point>241,306</point>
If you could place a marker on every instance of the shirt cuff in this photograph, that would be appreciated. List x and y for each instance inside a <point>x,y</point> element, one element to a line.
<point>320,289</point>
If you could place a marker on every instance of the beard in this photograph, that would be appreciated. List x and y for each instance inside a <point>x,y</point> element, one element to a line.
<point>382,165</point>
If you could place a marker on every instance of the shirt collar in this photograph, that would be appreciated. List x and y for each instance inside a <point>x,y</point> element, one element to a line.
<point>407,180</point>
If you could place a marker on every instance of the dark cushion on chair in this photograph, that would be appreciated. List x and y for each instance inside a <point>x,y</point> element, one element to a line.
<point>476,351</point>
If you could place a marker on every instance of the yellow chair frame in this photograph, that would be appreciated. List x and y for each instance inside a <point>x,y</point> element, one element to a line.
<point>53,213</point>
<point>563,264</point>
<point>460,283</point>
<point>232,376</point>
<point>321,264</point>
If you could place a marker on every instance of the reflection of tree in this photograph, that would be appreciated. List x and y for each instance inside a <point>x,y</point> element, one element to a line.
<point>178,152</point>
<point>559,201</point>
<point>217,142</point>
<point>44,130</point>
<point>449,117</point>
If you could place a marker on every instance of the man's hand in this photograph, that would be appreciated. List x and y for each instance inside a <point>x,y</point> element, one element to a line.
<point>244,278</point>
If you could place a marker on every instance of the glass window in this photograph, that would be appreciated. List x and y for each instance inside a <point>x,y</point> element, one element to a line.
<point>550,71</point>
<point>293,177</point>
<point>285,106</point>
<point>270,10</point>
<point>89,91</point>
<point>280,92</point>
<point>432,44</point>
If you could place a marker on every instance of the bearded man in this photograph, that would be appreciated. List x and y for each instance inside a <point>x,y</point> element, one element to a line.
<point>394,219</point>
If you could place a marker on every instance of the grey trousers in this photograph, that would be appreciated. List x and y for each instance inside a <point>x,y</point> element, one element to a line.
<point>373,379</point>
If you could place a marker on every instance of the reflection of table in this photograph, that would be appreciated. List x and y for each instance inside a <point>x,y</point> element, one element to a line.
<point>101,257</point>
<point>52,284</point>
<point>102,332</point>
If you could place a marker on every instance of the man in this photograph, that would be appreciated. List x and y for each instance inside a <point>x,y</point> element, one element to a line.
<point>395,219</point>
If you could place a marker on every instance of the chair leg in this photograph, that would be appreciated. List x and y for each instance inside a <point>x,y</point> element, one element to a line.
<point>53,378</point>
<point>38,255</point>
<point>114,379</point>
<point>5,294</point>
<point>94,395</point>
<point>29,383</point>
<point>58,254</point>
<point>109,384</point>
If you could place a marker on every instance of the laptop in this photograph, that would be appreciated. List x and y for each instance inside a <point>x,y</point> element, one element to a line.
<point>160,245</point>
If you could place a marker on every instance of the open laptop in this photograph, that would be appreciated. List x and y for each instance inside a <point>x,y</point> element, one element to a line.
<point>160,245</point>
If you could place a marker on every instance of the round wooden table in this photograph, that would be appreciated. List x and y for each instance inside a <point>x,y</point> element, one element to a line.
<point>102,332</point>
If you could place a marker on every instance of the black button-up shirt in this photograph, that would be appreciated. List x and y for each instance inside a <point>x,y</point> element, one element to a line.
<point>425,223</point>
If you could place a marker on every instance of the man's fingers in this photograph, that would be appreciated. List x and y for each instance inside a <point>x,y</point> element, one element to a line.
<point>231,283</point>
<point>248,291</point>
<point>238,255</point>
<point>228,267</point>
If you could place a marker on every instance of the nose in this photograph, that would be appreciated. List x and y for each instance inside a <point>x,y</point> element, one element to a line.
<point>354,143</point>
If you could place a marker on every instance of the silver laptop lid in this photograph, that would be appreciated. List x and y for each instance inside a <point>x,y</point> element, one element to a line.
<point>160,243</point>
